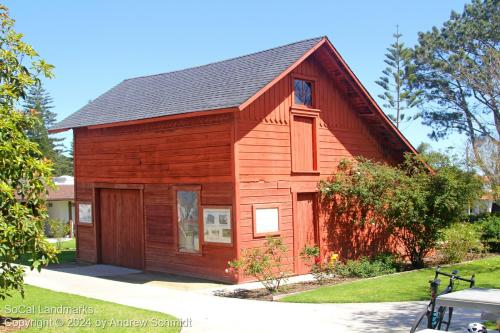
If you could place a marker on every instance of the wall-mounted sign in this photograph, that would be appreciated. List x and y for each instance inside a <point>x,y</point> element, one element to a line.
<point>266,220</point>
<point>217,225</point>
<point>85,213</point>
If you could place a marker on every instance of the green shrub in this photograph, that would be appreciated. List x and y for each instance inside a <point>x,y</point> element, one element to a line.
<point>364,267</point>
<point>266,264</point>
<point>490,232</point>
<point>411,203</point>
<point>58,229</point>
<point>460,241</point>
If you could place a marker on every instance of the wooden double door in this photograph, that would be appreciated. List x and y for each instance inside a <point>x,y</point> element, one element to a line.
<point>121,228</point>
<point>306,231</point>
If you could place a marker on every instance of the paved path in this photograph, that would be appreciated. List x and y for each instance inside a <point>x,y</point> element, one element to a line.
<point>217,314</point>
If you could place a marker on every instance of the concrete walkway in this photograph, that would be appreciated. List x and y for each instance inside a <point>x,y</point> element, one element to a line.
<point>217,314</point>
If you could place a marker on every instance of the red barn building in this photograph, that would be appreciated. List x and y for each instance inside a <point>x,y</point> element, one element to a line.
<point>179,172</point>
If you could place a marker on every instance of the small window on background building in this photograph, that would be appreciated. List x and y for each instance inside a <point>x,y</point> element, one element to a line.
<point>303,92</point>
<point>187,219</point>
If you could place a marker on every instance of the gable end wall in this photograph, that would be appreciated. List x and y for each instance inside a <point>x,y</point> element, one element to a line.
<point>263,145</point>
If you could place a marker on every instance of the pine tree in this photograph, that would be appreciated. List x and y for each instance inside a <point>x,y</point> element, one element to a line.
<point>396,80</point>
<point>39,102</point>
<point>457,67</point>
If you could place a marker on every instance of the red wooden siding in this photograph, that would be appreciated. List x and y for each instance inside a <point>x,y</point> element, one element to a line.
<point>195,151</point>
<point>264,148</point>
<point>86,245</point>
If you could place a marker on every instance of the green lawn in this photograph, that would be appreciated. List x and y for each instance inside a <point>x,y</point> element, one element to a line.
<point>69,244</point>
<point>40,300</point>
<point>67,253</point>
<point>408,286</point>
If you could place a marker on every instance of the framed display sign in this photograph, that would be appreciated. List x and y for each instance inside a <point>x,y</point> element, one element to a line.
<point>266,220</point>
<point>217,225</point>
<point>84,213</point>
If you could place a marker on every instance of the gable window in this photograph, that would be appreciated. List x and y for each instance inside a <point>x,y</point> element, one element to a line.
<point>303,92</point>
<point>188,221</point>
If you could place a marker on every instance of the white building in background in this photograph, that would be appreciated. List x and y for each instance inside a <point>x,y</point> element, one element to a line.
<point>61,201</point>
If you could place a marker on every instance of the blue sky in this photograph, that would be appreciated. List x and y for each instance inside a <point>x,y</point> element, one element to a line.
<point>96,44</point>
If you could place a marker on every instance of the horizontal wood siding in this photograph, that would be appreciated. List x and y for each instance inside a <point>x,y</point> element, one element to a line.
<point>161,251</point>
<point>158,156</point>
<point>264,149</point>
<point>86,246</point>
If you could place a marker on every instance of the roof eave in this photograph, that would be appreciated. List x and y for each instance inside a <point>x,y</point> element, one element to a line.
<point>151,120</point>
<point>370,99</point>
<point>58,130</point>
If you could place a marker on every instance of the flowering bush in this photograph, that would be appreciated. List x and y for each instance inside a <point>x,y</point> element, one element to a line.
<point>321,270</point>
<point>266,264</point>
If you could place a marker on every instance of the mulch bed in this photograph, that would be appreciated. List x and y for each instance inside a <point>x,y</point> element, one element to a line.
<point>13,324</point>
<point>263,295</point>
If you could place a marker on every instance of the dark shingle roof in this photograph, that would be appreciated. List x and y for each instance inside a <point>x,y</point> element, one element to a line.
<point>218,85</point>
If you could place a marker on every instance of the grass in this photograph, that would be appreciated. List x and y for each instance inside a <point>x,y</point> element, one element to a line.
<point>69,244</point>
<point>490,325</point>
<point>67,253</point>
<point>408,286</point>
<point>38,301</point>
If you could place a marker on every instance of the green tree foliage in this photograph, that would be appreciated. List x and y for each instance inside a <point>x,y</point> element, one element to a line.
<point>437,159</point>
<point>24,172</point>
<point>411,202</point>
<point>458,69</point>
<point>397,81</point>
<point>39,101</point>
<point>490,227</point>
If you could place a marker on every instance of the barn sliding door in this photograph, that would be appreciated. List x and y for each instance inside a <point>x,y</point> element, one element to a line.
<point>121,227</point>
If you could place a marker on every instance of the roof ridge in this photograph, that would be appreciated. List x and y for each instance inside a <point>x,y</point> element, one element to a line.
<point>221,61</point>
